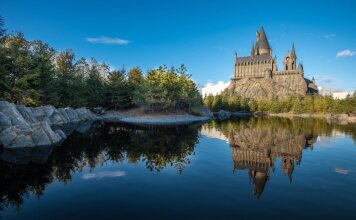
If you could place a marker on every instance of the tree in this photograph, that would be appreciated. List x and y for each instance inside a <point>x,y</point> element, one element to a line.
<point>118,91</point>
<point>96,90</point>
<point>42,57</point>
<point>65,72</point>
<point>2,27</point>
<point>137,86</point>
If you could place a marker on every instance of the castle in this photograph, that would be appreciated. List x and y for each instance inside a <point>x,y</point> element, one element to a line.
<point>257,75</point>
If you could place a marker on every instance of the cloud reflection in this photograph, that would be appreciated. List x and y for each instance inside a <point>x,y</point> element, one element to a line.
<point>341,170</point>
<point>100,175</point>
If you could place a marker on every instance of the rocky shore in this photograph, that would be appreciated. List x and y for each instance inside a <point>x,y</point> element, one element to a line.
<point>22,126</point>
<point>27,127</point>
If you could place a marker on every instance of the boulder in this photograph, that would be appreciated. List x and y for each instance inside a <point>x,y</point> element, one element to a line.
<point>39,136</point>
<point>26,113</point>
<point>8,136</point>
<point>205,112</point>
<point>5,121</point>
<point>65,117</point>
<point>48,110</point>
<point>10,111</point>
<point>56,118</point>
<point>22,126</point>
<point>222,114</point>
<point>72,115</point>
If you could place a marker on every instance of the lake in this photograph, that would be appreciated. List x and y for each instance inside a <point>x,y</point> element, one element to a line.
<point>255,167</point>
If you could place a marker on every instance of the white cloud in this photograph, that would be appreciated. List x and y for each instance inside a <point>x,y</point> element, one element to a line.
<point>107,40</point>
<point>346,53</point>
<point>214,89</point>
<point>103,174</point>
<point>334,92</point>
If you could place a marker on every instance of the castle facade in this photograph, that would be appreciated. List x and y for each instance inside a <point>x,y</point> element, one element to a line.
<point>257,75</point>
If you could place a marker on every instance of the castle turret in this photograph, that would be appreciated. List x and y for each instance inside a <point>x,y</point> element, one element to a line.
<point>262,46</point>
<point>286,61</point>
<point>300,68</point>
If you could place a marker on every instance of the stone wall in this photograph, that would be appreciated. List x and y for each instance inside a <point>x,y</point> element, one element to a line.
<point>22,126</point>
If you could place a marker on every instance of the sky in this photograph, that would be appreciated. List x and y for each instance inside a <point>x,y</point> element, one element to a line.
<point>203,35</point>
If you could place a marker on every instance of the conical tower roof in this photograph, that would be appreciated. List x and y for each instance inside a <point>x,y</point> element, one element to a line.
<point>262,40</point>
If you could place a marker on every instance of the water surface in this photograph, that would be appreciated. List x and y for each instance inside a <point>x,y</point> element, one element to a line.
<point>239,168</point>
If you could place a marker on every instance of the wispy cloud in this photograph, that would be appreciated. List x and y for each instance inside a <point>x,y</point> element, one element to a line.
<point>346,53</point>
<point>324,79</point>
<point>341,170</point>
<point>107,40</point>
<point>329,36</point>
<point>100,175</point>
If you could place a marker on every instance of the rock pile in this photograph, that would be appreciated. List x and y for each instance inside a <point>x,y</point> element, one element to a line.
<point>278,87</point>
<point>22,126</point>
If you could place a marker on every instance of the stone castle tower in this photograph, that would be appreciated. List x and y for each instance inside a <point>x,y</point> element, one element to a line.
<point>257,75</point>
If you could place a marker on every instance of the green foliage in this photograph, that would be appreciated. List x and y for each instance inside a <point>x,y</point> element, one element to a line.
<point>170,88</point>
<point>33,73</point>
<point>313,104</point>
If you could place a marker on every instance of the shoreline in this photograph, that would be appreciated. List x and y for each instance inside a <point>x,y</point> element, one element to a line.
<point>164,120</point>
<point>331,118</point>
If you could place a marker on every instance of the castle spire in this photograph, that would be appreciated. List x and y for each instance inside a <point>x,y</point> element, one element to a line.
<point>262,44</point>
<point>253,49</point>
<point>293,51</point>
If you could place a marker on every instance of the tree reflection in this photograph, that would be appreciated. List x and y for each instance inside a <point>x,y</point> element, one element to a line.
<point>157,147</point>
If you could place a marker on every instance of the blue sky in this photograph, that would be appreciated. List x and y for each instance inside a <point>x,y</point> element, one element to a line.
<point>201,34</point>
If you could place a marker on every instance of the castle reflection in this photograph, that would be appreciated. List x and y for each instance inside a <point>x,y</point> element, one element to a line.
<point>257,143</point>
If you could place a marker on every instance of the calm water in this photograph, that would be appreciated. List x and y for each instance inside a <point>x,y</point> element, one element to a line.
<point>241,168</point>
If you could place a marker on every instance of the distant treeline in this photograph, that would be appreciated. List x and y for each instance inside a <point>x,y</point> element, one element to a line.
<point>33,73</point>
<point>314,104</point>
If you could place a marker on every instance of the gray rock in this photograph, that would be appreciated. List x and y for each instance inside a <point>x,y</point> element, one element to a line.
<point>26,113</point>
<point>63,112</point>
<point>222,114</point>
<point>61,134</point>
<point>56,118</point>
<point>8,136</point>
<point>22,140</point>
<point>72,115</point>
<point>205,112</point>
<point>22,127</point>
<point>9,110</point>
<point>54,138</point>
<point>39,136</point>
<point>48,110</point>
<point>5,121</point>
